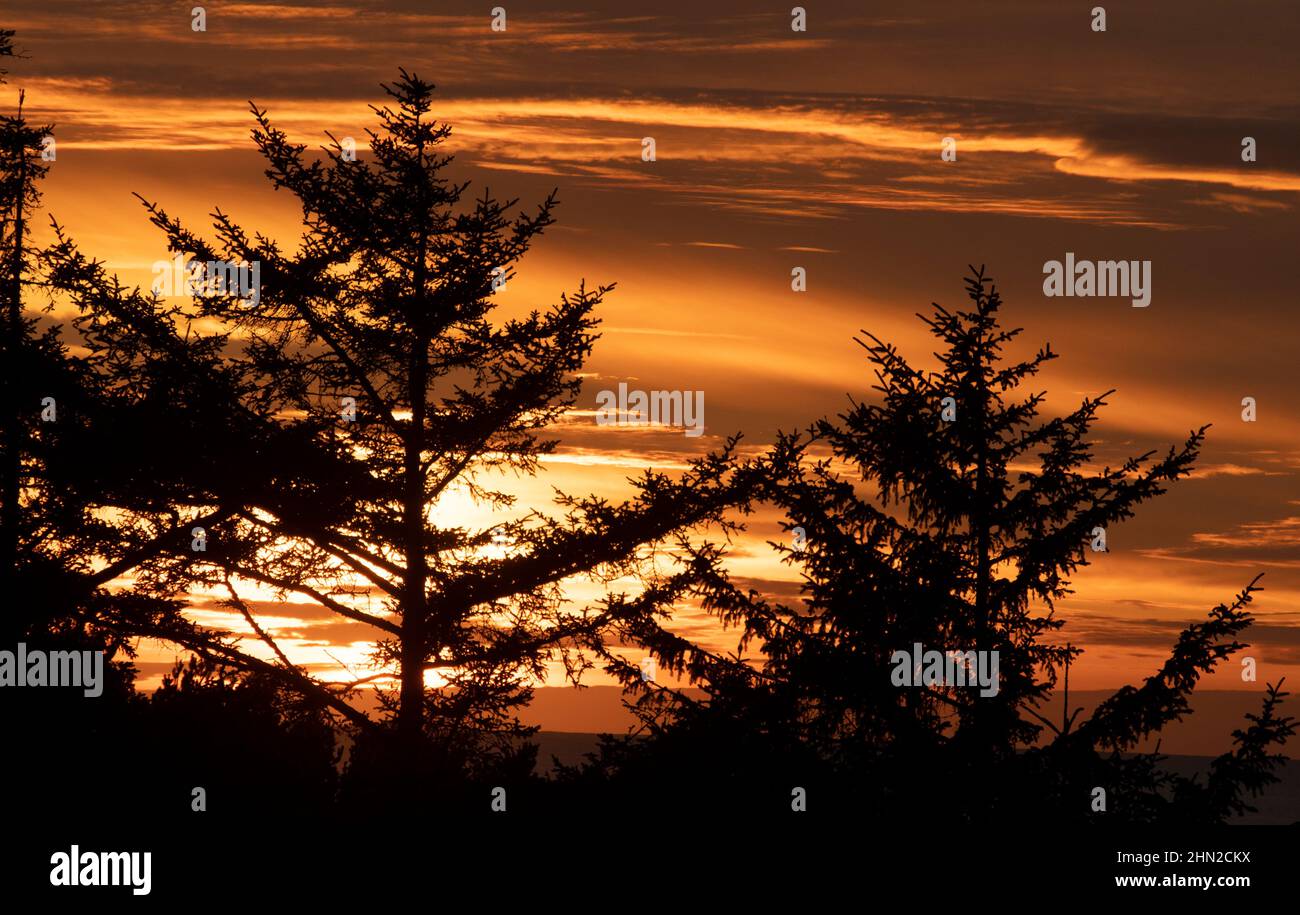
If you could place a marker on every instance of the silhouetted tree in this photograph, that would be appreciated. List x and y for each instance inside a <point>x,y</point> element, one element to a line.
<point>387,309</point>
<point>63,426</point>
<point>49,729</point>
<point>101,454</point>
<point>162,436</point>
<point>957,530</point>
<point>20,170</point>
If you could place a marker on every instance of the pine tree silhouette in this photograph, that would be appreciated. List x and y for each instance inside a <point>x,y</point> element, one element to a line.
<point>389,302</point>
<point>69,432</point>
<point>20,170</point>
<point>55,425</point>
<point>958,528</point>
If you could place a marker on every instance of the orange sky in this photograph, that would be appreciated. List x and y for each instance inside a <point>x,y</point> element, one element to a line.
<point>777,149</point>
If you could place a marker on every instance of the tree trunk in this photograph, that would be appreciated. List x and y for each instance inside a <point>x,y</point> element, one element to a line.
<point>410,716</point>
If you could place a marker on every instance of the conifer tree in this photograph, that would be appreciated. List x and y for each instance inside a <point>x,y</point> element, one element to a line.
<point>93,489</point>
<point>378,342</point>
<point>946,512</point>
<point>20,170</point>
<point>73,453</point>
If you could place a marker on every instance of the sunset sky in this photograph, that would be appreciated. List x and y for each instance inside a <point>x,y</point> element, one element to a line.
<point>778,149</point>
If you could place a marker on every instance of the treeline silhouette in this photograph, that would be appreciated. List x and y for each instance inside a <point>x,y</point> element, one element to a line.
<point>297,436</point>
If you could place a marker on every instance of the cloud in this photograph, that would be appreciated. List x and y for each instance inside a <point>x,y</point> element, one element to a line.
<point>1282,641</point>
<point>1273,543</point>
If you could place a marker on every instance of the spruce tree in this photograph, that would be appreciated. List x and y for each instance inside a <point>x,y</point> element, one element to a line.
<point>943,511</point>
<point>378,341</point>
